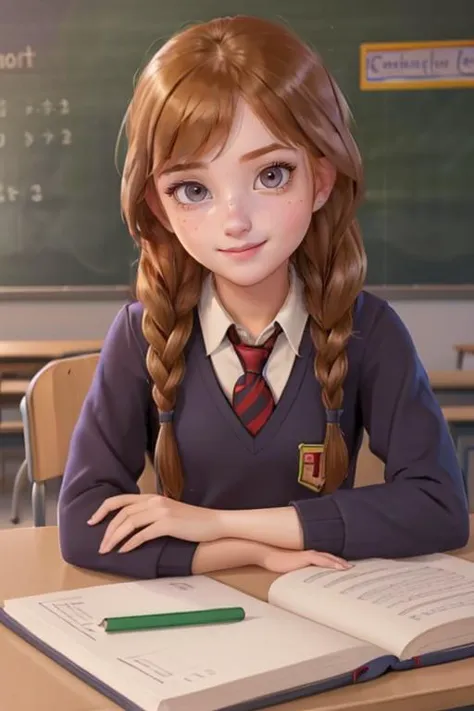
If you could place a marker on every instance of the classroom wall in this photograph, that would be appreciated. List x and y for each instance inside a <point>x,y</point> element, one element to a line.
<point>434,325</point>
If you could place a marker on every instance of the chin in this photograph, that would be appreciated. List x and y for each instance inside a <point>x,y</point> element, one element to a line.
<point>246,278</point>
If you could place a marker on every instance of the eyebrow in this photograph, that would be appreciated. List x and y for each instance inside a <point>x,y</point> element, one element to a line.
<point>252,155</point>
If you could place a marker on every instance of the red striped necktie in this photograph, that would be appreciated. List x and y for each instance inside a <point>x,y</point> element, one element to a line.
<point>252,399</point>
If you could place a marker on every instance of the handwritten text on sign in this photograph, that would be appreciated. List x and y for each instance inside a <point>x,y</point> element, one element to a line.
<point>417,65</point>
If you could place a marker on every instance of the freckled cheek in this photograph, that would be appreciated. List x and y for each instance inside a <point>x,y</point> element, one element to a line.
<point>184,224</point>
<point>192,228</point>
<point>295,216</point>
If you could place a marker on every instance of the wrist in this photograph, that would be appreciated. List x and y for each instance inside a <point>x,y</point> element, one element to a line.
<point>278,527</point>
<point>257,552</point>
<point>239,524</point>
<point>227,553</point>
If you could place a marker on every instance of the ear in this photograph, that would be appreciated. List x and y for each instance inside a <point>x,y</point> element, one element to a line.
<point>324,178</point>
<point>151,199</point>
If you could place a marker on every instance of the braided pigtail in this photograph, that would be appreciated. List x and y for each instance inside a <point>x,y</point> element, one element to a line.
<point>331,262</point>
<point>168,285</point>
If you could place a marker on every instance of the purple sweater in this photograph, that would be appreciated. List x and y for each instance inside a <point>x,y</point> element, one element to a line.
<point>421,508</point>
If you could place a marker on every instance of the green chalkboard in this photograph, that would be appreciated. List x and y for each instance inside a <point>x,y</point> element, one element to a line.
<point>66,75</point>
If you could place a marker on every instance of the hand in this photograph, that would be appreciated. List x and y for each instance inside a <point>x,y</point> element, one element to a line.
<point>279,560</point>
<point>155,516</point>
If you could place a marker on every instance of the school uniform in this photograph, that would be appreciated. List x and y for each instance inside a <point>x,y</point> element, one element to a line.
<point>422,507</point>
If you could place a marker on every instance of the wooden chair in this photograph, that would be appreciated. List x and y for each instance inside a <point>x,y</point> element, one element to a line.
<point>50,410</point>
<point>369,468</point>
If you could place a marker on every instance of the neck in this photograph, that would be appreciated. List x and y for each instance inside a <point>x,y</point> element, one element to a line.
<point>254,307</point>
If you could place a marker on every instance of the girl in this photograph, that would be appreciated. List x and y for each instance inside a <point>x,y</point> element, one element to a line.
<point>253,358</point>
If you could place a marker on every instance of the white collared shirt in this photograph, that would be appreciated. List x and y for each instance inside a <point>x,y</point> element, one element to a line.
<point>215,322</point>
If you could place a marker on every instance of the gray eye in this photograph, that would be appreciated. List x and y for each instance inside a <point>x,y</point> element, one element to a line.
<point>274,177</point>
<point>191,193</point>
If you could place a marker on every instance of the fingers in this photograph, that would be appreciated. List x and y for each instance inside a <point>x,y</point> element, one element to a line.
<point>146,534</point>
<point>112,504</point>
<point>127,521</point>
<point>127,513</point>
<point>282,561</point>
<point>327,560</point>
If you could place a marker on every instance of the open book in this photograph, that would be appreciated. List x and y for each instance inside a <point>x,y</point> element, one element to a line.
<point>321,629</point>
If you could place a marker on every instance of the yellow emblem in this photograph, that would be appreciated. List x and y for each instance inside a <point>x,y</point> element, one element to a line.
<point>310,473</point>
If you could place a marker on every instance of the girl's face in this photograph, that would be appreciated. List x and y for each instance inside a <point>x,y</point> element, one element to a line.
<point>243,213</point>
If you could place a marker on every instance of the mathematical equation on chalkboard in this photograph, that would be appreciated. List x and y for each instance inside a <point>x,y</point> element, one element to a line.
<point>30,130</point>
<point>62,137</point>
<point>10,193</point>
<point>44,108</point>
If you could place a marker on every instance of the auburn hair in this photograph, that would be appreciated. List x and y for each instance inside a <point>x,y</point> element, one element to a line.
<point>182,107</point>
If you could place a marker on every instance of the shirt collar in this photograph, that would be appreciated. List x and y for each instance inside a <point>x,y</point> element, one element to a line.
<point>215,320</point>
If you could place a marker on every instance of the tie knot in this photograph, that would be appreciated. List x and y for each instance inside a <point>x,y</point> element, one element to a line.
<point>253,358</point>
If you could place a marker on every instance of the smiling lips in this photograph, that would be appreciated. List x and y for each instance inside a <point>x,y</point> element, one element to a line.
<point>243,252</point>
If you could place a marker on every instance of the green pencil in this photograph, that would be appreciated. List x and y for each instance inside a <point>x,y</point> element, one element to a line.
<point>173,619</point>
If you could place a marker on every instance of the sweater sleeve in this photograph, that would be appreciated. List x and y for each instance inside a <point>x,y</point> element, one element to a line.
<point>422,506</point>
<point>107,457</point>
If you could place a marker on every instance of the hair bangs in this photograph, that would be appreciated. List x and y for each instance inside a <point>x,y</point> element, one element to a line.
<point>195,120</point>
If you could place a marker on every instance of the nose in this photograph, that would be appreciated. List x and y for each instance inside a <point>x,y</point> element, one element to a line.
<point>237,221</point>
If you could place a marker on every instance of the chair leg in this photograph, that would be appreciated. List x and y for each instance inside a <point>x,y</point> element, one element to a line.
<point>20,477</point>
<point>38,503</point>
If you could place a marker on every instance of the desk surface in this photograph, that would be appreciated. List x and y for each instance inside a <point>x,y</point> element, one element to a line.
<point>464,348</point>
<point>45,350</point>
<point>451,379</point>
<point>31,564</point>
<point>456,414</point>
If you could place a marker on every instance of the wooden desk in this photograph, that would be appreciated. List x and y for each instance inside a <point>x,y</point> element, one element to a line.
<point>12,390</point>
<point>26,357</point>
<point>461,424</point>
<point>31,564</point>
<point>463,414</point>
<point>453,387</point>
<point>463,349</point>
<point>451,379</point>
<point>45,350</point>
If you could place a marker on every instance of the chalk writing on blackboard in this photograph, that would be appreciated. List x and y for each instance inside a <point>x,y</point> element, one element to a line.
<point>29,131</point>
<point>11,193</point>
<point>21,60</point>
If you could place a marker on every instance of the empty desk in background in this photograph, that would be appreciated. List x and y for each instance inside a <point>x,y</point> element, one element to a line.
<point>25,358</point>
<point>453,387</point>
<point>461,424</point>
<point>462,350</point>
<point>11,391</point>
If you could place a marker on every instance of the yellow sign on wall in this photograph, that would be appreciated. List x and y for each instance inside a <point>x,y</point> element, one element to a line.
<point>417,65</point>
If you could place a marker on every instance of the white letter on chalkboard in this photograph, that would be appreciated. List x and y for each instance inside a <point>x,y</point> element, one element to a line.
<point>30,55</point>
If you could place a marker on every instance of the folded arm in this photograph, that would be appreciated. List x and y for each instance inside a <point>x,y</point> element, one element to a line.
<point>107,457</point>
<point>422,507</point>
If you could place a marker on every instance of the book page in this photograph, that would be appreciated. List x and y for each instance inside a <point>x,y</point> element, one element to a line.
<point>386,602</point>
<point>152,666</point>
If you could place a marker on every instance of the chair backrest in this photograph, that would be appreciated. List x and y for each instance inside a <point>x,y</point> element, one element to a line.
<point>369,468</point>
<point>50,410</point>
